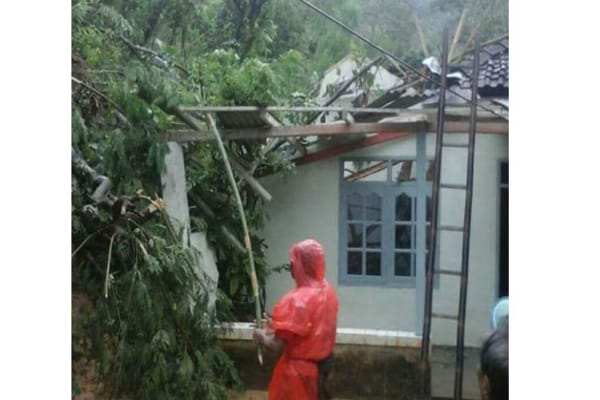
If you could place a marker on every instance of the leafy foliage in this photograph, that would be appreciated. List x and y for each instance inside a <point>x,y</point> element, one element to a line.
<point>148,321</point>
<point>152,334</point>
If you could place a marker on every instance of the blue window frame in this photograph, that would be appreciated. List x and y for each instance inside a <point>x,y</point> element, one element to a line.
<point>383,220</point>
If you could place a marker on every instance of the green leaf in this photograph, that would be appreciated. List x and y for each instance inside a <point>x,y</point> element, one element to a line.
<point>172,101</point>
<point>186,367</point>
<point>234,284</point>
<point>161,340</point>
<point>153,265</point>
<point>131,73</point>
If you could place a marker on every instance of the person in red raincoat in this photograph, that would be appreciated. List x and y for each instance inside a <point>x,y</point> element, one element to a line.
<point>303,326</point>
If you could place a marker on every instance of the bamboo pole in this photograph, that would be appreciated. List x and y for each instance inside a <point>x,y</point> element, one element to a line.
<point>457,32</point>
<point>475,30</point>
<point>421,36</point>
<point>247,242</point>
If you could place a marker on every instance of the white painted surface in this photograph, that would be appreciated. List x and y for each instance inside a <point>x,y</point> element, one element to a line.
<point>207,262</point>
<point>174,190</point>
<point>306,205</point>
<point>369,337</point>
<point>176,204</point>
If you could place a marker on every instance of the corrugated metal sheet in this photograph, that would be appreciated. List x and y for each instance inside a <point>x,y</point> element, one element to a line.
<point>241,120</point>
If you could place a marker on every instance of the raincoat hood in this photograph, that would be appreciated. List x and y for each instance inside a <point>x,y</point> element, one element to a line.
<point>308,262</point>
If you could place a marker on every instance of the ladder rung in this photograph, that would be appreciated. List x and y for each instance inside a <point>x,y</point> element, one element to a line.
<point>452,186</point>
<point>455,144</point>
<point>450,228</point>
<point>444,316</point>
<point>448,272</point>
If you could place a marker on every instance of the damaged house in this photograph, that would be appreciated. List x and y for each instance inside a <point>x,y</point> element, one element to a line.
<point>367,199</point>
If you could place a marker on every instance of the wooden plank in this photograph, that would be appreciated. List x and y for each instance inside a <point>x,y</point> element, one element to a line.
<point>346,147</point>
<point>474,32</point>
<point>332,129</point>
<point>269,119</point>
<point>290,109</point>
<point>494,127</point>
<point>396,65</point>
<point>257,187</point>
<point>452,127</point>
<point>421,36</point>
<point>457,33</point>
<point>360,174</point>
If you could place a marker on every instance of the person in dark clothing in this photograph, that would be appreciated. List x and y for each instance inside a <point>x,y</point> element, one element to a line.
<point>493,369</point>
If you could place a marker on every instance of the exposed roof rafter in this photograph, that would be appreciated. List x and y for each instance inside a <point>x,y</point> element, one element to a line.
<point>331,129</point>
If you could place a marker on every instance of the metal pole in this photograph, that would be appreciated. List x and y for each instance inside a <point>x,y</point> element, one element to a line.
<point>424,359</point>
<point>462,308</point>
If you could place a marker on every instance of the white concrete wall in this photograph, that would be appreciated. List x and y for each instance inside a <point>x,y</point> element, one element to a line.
<point>306,205</point>
<point>483,260</point>
<point>174,192</point>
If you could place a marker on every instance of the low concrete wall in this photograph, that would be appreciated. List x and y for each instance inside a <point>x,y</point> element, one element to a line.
<point>373,364</point>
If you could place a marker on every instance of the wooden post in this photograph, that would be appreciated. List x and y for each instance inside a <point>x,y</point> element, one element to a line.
<point>421,36</point>
<point>474,31</point>
<point>457,33</point>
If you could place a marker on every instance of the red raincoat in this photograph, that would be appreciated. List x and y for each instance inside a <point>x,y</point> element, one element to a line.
<point>305,318</point>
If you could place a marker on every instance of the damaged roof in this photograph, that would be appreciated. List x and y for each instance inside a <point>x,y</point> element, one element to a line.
<point>493,70</point>
<point>344,124</point>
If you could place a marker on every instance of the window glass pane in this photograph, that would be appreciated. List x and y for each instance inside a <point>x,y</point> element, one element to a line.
<point>365,171</point>
<point>373,263</point>
<point>373,207</point>
<point>354,262</point>
<point>355,235</point>
<point>403,208</point>
<point>355,207</point>
<point>402,263</point>
<point>374,236</point>
<point>404,171</point>
<point>403,236</point>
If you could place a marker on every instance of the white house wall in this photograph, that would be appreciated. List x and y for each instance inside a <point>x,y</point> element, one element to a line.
<point>306,203</point>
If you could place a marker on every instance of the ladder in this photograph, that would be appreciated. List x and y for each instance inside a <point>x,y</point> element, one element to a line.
<point>425,368</point>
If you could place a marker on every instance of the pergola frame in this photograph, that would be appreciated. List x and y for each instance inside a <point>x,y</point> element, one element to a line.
<point>398,121</point>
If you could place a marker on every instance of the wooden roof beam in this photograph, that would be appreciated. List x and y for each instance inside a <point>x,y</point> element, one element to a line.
<point>287,109</point>
<point>269,119</point>
<point>331,129</point>
<point>254,184</point>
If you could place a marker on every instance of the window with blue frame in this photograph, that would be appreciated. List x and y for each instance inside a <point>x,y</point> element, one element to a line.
<point>383,220</point>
